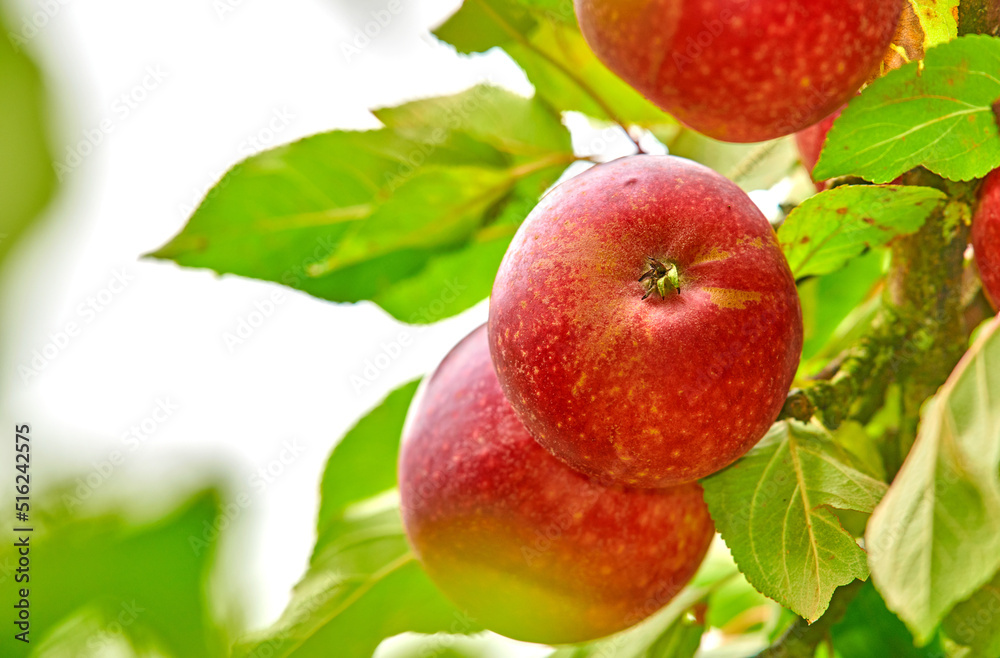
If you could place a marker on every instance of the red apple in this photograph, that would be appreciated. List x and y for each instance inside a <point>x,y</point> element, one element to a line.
<point>742,70</point>
<point>986,237</point>
<point>644,323</point>
<point>519,541</point>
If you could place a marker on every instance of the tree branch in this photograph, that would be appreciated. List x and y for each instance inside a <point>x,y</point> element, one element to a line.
<point>917,336</point>
<point>925,288</point>
<point>979,17</point>
<point>853,387</point>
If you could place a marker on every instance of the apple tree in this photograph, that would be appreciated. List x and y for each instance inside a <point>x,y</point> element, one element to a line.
<point>846,437</point>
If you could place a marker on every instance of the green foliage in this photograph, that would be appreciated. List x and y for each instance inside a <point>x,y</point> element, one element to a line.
<point>869,630</point>
<point>937,113</point>
<point>135,582</point>
<point>773,509</point>
<point>420,212</point>
<point>751,166</point>
<point>507,122</point>
<point>935,538</point>
<point>976,622</point>
<point>370,450</point>
<point>731,600</point>
<point>827,300</point>
<point>827,230</point>
<point>855,439</point>
<point>414,215</point>
<point>27,179</point>
<point>363,585</point>
<point>938,20</point>
<point>553,54</point>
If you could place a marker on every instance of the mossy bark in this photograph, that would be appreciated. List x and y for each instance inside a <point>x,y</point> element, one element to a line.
<point>979,17</point>
<point>924,293</point>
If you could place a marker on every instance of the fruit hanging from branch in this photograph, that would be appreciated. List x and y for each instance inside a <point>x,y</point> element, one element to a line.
<point>986,237</point>
<point>742,70</point>
<point>644,323</point>
<point>522,543</point>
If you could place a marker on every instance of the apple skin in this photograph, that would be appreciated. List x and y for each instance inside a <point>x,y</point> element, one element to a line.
<point>520,542</point>
<point>646,392</point>
<point>986,237</point>
<point>742,70</point>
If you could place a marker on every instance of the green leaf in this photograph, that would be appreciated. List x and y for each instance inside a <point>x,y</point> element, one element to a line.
<point>454,280</point>
<point>732,595</point>
<point>976,621</point>
<point>507,122</point>
<point>568,75</point>
<point>731,600</point>
<point>363,585</point>
<point>553,54</point>
<point>827,300</point>
<point>409,216</point>
<point>936,113</point>
<point>751,166</point>
<point>149,577</point>
<point>830,228</point>
<point>363,463</point>
<point>935,538</point>
<point>479,25</point>
<point>938,20</point>
<point>435,208</point>
<point>772,509</point>
<point>555,10</point>
<point>854,438</point>
<point>869,630</point>
<point>27,177</point>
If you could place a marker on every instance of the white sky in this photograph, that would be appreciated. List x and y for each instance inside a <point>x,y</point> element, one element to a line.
<point>225,74</point>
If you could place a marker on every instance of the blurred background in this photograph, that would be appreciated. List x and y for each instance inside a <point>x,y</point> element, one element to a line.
<point>180,421</point>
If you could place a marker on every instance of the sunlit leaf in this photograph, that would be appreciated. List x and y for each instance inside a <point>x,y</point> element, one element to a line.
<point>773,509</point>
<point>938,20</point>
<point>937,113</point>
<point>408,216</point>
<point>363,463</point>
<point>751,166</point>
<point>830,228</point>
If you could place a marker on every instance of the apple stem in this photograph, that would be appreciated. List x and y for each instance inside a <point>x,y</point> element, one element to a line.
<point>659,274</point>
